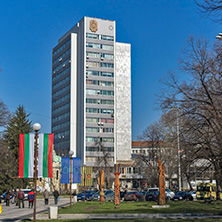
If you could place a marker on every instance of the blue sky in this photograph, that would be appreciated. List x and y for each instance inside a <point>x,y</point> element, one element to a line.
<point>157,31</point>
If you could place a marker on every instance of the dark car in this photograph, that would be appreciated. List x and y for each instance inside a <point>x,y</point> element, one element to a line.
<point>141,195</point>
<point>182,195</point>
<point>87,193</point>
<point>152,196</point>
<point>4,194</point>
<point>122,194</point>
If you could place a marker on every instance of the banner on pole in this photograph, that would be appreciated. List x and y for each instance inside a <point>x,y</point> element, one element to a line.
<point>76,170</point>
<point>88,174</point>
<point>26,155</point>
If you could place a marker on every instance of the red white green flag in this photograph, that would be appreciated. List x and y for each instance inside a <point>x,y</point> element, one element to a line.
<point>26,155</point>
<point>45,155</point>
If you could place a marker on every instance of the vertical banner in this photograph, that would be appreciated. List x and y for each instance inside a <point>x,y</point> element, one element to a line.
<point>76,170</point>
<point>65,170</point>
<point>88,174</point>
<point>26,155</point>
<point>45,155</point>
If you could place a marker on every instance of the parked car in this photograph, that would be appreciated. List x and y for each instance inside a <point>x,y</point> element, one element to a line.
<point>141,195</point>
<point>155,189</point>
<point>96,196</point>
<point>193,193</point>
<point>130,196</point>
<point>3,196</point>
<point>152,195</point>
<point>122,194</point>
<point>169,193</point>
<point>182,195</point>
<point>87,193</point>
<point>109,195</point>
<point>26,191</point>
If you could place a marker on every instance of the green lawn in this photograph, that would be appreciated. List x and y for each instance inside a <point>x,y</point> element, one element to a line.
<point>143,207</point>
<point>138,220</point>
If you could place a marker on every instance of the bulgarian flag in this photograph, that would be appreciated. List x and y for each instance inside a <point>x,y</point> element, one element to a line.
<point>45,155</point>
<point>26,155</point>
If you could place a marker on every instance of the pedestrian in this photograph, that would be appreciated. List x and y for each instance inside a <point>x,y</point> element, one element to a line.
<point>21,197</point>
<point>7,197</point>
<point>31,198</point>
<point>13,196</point>
<point>46,196</point>
<point>16,197</point>
<point>56,195</point>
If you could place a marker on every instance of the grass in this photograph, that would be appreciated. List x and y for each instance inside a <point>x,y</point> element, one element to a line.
<point>143,207</point>
<point>137,220</point>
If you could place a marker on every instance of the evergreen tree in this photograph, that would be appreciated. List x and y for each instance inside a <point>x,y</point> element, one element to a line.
<point>18,123</point>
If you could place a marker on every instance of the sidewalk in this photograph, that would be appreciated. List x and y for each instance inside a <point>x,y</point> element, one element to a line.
<point>14,213</point>
<point>132,216</point>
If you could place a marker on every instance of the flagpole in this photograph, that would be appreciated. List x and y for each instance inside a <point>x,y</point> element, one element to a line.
<point>70,175</point>
<point>36,128</point>
<point>84,182</point>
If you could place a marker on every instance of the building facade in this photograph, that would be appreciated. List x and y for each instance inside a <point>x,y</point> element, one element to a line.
<point>91,93</point>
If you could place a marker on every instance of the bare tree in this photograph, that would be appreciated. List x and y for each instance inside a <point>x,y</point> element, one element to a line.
<point>103,161</point>
<point>199,97</point>
<point>210,8</point>
<point>156,135</point>
<point>4,114</point>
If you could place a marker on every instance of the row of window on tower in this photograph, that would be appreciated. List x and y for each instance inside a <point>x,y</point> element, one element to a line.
<point>61,99</point>
<point>60,74</point>
<point>99,46</point>
<point>66,44</point>
<point>99,130</point>
<point>101,37</point>
<point>61,66</point>
<point>61,57</point>
<point>97,73</point>
<point>99,139</point>
<point>97,149</point>
<point>98,55</point>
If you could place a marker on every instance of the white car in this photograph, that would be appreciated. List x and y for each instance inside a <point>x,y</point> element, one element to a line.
<point>170,193</point>
<point>193,194</point>
<point>26,191</point>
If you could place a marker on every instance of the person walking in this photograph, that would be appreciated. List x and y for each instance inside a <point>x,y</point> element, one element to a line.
<point>16,197</point>
<point>56,195</point>
<point>46,196</point>
<point>13,196</point>
<point>21,197</point>
<point>7,197</point>
<point>31,198</point>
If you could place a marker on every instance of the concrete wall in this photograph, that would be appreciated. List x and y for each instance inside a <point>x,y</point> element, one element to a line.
<point>123,101</point>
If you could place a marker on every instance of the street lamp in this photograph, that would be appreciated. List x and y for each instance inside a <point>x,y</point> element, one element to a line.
<point>178,148</point>
<point>70,154</point>
<point>219,36</point>
<point>36,127</point>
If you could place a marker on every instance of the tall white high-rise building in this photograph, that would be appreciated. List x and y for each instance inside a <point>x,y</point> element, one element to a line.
<point>91,93</point>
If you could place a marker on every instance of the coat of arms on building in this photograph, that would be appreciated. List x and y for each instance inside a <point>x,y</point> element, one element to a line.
<point>93,25</point>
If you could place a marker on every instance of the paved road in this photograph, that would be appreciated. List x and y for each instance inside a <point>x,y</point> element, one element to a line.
<point>13,213</point>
